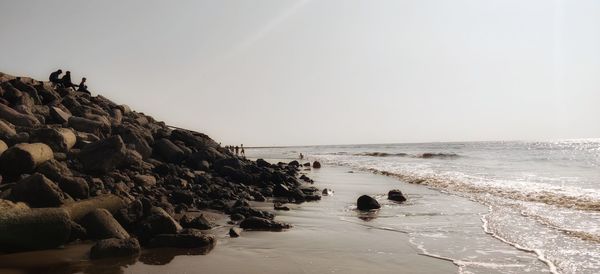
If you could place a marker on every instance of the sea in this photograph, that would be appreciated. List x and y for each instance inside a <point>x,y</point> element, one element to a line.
<point>542,197</point>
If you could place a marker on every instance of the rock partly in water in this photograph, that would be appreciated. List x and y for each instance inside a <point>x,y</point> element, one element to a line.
<point>114,247</point>
<point>396,195</point>
<point>316,164</point>
<point>22,228</point>
<point>189,238</point>
<point>235,232</point>
<point>366,202</point>
<point>257,223</point>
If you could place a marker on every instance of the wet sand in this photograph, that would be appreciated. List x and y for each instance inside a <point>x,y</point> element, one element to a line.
<point>431,233</point>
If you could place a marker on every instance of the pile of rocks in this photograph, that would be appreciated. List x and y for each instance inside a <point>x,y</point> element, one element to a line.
<point>74,167</point>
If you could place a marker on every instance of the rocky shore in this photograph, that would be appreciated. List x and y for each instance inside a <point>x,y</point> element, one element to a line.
<point>76,167</point>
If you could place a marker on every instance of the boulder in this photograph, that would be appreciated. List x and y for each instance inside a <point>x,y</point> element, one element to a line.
<point>110,202</point>
<point>257,223</point>
<point>88,125</point>
<point>144,180</point>
<point>396,195</point>
<point>316,164</point>
<point>54,170</point>
<point>159,222</point>
<point>168,151</point>
<point>115,248</point>
<point>100,224</point>
<point>190,239</point>
<point>366,202</point>
<point>235,232</point>
<point>59,116</point>
<point>38,191</point>
<point>327,192</point>
<point>59,139</point>
<point>24,158</point>
<point>22,228</point>
<point>262,163</point>
<point>76,187</point>
<point>199,222</point>
<point>7,130</point>
<point>136,139</point>
<point>17,118</point>
<point>104,155</point>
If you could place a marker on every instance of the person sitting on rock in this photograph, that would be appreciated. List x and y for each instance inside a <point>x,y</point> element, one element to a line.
<point>82,86</point>
<point>66,80</point>
<point>54,77</point>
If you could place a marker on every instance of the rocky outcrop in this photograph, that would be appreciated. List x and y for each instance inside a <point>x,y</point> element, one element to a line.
<point>86,165</point>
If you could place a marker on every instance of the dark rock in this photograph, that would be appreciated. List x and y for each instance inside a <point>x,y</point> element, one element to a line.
<point>59,116</point>
<point>294,163</point>
<point>327,192</point>
<point>235,232</point>
<point>59,139</point>
<point>168,151</point>
<point>88,125</point>
<point>256,223</point>
<point>191,239</point>
<point>38,191</point>
<point>30,229</point>
<point>17,118</point>
<point>159,222</point>
<point>316,164</point>
<point>108,248</point>
<point>145,180</point>
<point>262,163</point>
<point>76,187</point>
<point>104,155</point>
<point>100,224</point>
<point>366,202</point>
<point>77,232</point>
<point>279,206</point>
<point>24,158</point>
<point>183,196</point>
<point>199,222</point>
<point>396,195</point>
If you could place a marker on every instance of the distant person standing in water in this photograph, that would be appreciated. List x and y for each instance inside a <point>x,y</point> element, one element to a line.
<point>66,80</point>
<point>82,86</point>
<point>237,150</point>
<point>55,77</point>
<point>243,152</point>
<point>301,156</point>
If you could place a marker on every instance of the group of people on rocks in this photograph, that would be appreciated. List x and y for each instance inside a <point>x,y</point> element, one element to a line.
<point>238,150</point>
<point>65,81</point>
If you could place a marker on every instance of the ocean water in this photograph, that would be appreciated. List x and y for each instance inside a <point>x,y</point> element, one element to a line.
<point>543,198</point>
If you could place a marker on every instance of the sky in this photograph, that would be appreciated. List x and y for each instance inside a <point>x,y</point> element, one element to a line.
<point>302,72</point>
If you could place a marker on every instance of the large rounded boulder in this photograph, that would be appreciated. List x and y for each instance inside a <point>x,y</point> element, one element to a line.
<point>366,202</point>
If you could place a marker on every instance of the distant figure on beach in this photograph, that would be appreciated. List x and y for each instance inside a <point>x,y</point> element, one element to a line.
<point>301,156</point>
<point>66,80</point>
<point>243,152</point>
<point>237,150</point>
<point>82,86</point>
<point>55,77</point>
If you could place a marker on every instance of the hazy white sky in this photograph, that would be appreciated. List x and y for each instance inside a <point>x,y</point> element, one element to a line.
<point>326,71</point>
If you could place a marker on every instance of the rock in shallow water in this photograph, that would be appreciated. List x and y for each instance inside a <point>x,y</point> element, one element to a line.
<point>366,202</point>
<point>189,238</point>
<point>256,223</point>
<point>115,248</point>
<point>396,195</point>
